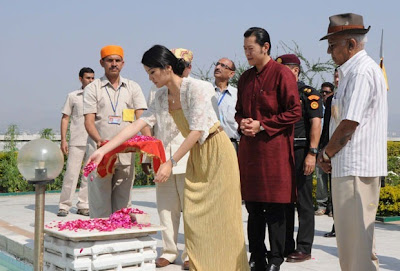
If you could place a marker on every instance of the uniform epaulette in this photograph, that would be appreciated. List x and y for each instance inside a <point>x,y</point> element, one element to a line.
<point>308,90</point>
<point>312,95</point>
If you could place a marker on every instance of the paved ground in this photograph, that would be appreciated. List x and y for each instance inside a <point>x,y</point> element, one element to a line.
<point>17,231</point>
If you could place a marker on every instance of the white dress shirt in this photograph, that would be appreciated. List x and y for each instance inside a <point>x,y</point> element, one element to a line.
<point>361,97</point>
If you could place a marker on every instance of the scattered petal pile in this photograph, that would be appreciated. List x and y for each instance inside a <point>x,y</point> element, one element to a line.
<point>89,168</point>
<point>141,138</point>
<point>118,220</point>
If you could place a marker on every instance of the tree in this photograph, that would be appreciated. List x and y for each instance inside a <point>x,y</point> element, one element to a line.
<point>10,138</point>
<point>47,133</point>
<point>10,178</point>
<point>312,73</point>
<point>206,75</point>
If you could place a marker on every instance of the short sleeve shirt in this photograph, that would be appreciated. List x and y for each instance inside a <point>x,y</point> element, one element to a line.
<point>226,107</point>
<point>312,107</point>
<point>73,107</point>
<point>102,99</point>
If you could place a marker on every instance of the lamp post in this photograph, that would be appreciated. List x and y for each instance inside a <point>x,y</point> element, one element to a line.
<point>40,161</point>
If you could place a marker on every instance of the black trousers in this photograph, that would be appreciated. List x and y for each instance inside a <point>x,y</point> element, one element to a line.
<point>260,215</point>
<point>235,144</point>
<point>305,209</point>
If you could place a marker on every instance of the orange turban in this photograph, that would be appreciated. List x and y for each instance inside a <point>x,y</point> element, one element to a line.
<point>111,50</point>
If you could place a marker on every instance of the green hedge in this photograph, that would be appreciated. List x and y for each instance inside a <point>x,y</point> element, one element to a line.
<point>393,177</point>
<point>389,201</point>
<point>389,204</point>
<point>12,181</point>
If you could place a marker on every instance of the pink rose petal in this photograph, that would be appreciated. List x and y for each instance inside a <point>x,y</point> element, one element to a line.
<point>89,168</point>
<point>119,219</point>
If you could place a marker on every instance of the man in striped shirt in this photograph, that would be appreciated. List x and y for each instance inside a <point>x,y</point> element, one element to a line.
<point>356,154</point>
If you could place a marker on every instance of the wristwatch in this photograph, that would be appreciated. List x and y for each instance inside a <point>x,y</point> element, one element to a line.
<point>325,156</point>
<point>173,161</point>
<point>313,150</point>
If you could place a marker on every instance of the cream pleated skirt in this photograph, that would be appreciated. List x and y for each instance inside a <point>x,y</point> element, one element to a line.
<point>212,204</point>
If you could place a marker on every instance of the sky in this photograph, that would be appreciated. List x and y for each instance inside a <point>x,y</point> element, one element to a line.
<point>44,44</point>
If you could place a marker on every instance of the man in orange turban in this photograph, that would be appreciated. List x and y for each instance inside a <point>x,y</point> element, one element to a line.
<point>111,50</point>
<point>110,104</point>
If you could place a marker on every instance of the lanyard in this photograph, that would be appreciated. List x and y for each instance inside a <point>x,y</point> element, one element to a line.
<point>222,97</point>
<point>116,104</point>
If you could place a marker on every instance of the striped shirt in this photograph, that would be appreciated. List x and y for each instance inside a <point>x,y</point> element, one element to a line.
<point>361,97</point>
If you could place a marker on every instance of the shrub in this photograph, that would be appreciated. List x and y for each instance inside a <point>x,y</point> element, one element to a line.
<point>12,181</point>
<point>10,178</point>
<point>389,201</point>
<point>141,178</point>
<point>393,150</point>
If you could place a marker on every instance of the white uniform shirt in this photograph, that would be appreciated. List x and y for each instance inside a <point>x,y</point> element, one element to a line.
<point>73,107</point>
<point>100,98</point>
<point>361,97</point>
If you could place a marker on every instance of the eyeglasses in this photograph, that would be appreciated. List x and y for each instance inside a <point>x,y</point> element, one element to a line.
<point>331,45</point>
<point>325,92</point>
<point>223,66</point>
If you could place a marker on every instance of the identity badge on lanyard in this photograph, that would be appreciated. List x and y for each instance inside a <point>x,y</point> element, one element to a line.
<point>114,119</point>
<point>219,102</point>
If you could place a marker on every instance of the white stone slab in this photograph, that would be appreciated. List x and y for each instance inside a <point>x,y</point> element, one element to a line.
<point>86,235</point>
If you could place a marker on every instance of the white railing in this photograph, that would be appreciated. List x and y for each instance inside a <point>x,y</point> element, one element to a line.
<point>22,139</point>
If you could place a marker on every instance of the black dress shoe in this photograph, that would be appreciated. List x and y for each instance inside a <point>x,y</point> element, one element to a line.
<point>257,265</point>
<point>272,267</point>
<point>330,234</point>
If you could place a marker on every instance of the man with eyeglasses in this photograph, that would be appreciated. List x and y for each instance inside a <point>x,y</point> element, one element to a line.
<point>356,153</point>
<point>226,96</point>
<point>327,89</point>
<point>323,196</point>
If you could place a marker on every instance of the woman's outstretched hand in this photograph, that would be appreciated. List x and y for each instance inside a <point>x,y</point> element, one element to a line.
<point>163,172</point>
<point>96,157</point>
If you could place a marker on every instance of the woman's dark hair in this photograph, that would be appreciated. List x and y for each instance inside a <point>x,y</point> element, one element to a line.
<point>261,35</point>
<point>159,56</point>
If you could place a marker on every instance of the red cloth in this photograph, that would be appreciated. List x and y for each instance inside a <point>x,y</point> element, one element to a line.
<point>145,144</point>
<point>266,161</point>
